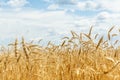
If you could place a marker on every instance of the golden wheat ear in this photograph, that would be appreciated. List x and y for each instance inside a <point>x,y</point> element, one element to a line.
<point>99,42</point>
<point>90,31</point>
<point>16,44</point>
<point>109,36</point>
<point>24,48</point>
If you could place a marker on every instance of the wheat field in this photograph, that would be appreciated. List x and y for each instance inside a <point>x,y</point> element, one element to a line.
<point>77,58</point>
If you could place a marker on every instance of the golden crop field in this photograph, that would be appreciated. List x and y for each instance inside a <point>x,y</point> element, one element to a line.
<point>77,58</point>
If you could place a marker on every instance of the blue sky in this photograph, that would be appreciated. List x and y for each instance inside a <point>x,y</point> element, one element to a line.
<point>53,19</point>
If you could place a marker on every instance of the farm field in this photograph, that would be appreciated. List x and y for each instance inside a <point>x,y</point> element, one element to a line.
<point>79,57</point>
<point>59,40</point>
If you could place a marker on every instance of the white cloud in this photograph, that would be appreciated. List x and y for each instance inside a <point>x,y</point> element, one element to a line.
<point>91,5</point>
<point>17,3</point>
<point>111,5</point>
<point>103,16</point>
<point>81,5</point>
<point>49,25</point>
<point>105,20</point>
<point>62,2</point>
<point>33,24</point>
<point>53,7</point>
<point>87,5</point>
<point>73,5</point>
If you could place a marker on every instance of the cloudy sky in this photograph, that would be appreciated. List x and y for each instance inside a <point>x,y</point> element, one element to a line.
<point>53,19</point>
